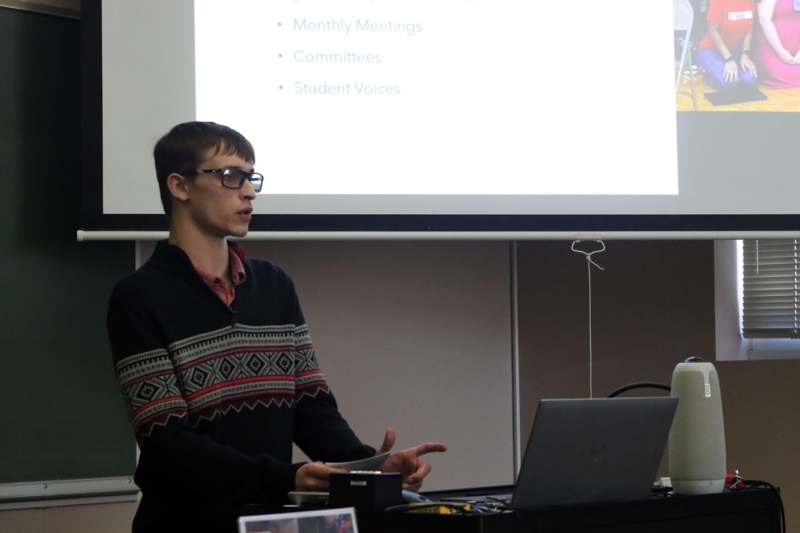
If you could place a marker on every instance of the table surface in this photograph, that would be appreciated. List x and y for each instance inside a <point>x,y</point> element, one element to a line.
<point>745,511</point>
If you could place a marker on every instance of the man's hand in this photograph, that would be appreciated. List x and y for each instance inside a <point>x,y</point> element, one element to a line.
<point>408,461</point>
<point>314,476</point>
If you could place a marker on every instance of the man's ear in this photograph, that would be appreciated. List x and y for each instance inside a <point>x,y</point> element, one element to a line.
<point>178,186</point>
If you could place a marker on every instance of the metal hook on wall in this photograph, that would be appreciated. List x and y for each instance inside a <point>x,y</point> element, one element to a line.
<point>589,254</point>
<point>589,262</point>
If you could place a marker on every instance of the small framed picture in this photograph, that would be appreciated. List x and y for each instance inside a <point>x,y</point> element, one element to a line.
<point>320,521</point>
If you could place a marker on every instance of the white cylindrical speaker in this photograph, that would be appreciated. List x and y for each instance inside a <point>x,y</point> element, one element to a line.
<point>697,439</point>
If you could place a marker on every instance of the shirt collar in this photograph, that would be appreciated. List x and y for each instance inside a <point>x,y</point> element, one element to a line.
<point>236,256</point>
<point>235,264</point>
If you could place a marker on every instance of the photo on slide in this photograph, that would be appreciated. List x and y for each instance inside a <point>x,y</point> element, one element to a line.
<point>737,55</point>
<point>322,521</point>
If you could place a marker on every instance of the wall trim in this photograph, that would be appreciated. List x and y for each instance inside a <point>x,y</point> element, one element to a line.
<point>57,493</point>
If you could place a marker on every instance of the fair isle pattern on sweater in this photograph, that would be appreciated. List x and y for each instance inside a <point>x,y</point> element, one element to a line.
<point>218,394</point>
<point>204,376</point>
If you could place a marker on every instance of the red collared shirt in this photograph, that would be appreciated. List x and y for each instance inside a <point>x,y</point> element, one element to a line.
<point>220,285</point>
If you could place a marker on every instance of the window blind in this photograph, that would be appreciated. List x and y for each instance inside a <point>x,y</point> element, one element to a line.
<point>771,283</point>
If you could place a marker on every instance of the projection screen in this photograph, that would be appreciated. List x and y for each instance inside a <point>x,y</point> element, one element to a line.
<point>451,118</point>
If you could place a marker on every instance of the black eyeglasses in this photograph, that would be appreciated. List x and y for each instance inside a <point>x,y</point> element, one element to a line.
<point>234,178</point>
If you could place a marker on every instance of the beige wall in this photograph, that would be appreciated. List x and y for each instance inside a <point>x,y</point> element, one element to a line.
<point>415,335</point>
<point>106,518</point>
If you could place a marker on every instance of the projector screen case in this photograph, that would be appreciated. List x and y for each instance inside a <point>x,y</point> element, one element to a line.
<point>697,462</point>
<point>734,171</point>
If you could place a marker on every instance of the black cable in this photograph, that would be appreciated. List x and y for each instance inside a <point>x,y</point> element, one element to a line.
<point>639,385</point>
<point>777,494</point>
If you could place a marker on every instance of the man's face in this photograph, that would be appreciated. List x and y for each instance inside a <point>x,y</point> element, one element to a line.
<point>218,210</point>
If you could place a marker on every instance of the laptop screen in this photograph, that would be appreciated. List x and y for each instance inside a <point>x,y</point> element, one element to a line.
<point>593,450</point>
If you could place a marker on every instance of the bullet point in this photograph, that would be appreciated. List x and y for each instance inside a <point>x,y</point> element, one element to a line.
<point>280,24</point>
<point>280,87</point>
<point>280,56</point>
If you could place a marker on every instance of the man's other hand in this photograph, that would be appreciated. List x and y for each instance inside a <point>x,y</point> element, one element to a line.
<point>314,476</point>
<point>408,461</point>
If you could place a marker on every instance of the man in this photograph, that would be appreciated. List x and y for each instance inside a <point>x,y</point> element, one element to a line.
<point>214,357</point>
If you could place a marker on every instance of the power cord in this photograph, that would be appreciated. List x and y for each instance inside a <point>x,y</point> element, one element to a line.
<point>639,385</point>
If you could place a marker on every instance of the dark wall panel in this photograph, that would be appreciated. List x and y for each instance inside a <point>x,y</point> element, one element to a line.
<point>60,407</point>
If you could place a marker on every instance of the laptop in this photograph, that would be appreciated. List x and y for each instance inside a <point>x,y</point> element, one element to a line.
<point>593,450</point>
<point>321,521</point>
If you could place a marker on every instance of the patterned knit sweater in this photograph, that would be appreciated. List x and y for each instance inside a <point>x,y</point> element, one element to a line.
<point>217,394</point>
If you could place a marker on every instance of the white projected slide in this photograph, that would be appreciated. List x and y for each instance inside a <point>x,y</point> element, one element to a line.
<point>444,97</point>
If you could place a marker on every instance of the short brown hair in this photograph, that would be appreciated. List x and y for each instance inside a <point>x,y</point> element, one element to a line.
<point>183,147</point>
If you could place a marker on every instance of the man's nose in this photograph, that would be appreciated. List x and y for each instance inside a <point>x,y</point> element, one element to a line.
<point>248,191</point>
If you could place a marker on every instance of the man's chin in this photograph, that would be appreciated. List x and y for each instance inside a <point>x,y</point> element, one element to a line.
<point>239,232</point>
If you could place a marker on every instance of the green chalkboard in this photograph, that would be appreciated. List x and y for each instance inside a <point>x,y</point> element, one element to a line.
<point>61,412</point>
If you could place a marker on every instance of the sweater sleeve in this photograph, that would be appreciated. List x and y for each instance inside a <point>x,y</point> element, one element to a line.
<point>320,429</point>
<point>185,461</point>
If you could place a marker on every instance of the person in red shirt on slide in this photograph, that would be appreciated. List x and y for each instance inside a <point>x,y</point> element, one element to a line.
<point>725,52</point>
